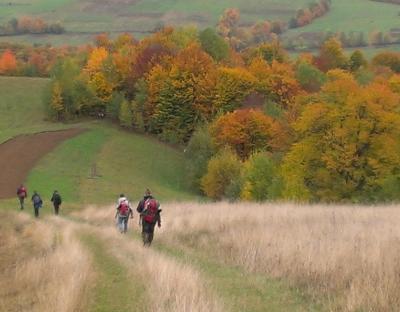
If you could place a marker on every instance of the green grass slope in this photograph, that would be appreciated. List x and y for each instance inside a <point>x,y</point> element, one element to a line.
<point>21,108</point>
<point>96,166</point>
<point>356,15</point>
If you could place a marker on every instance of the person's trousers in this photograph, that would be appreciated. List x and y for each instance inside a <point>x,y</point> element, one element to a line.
<point>21,202</point>
<point>56,208</point>
<point>36,211</point>
<point>147,232</point>
<point>123,224</point>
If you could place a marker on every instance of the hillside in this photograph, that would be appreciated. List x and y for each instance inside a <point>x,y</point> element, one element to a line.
<point>95,166</point>
<point>84,19</point>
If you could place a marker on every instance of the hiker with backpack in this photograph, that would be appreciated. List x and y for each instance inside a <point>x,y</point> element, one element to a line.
<point>150,215</point>
<point>124,211</point>
<point>22,193</point>
<point>37,203</point>
<point>56,200</point>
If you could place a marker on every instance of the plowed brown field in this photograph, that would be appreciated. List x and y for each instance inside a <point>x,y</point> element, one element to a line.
<point>20,154</point>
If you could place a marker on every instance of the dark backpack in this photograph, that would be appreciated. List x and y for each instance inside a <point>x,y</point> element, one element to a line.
<point>150,210</point>
<point>123,209</point>
<point>57,199</point>
<point>37,201</point>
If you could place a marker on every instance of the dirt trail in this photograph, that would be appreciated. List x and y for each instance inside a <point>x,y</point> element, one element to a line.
<point>20,154</point>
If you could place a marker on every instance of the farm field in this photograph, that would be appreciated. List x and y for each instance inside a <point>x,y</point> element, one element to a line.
<point>84,19</point>
<point>356,15</point>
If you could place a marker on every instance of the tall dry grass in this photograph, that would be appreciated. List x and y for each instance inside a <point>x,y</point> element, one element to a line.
<point>350,256</point>
<point>170,285</point>
<point>44,267</point>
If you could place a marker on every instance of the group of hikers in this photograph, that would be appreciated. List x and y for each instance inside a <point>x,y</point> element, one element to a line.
<point>149,215</point>
<point>148,209</point>
<point>37,202</point>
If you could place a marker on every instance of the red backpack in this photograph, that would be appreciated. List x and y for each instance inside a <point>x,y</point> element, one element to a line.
<point>123,208</point>
<point>150,210</point>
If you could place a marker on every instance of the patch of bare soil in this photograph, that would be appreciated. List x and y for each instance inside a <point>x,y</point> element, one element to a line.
<point>20,154</point>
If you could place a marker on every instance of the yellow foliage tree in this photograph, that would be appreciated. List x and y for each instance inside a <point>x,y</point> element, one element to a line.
<point>57,104</point>
<point>348,143</point>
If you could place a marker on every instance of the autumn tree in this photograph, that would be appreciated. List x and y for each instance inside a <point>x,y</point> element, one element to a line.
<point>331,56</point>
<point>348,143</point>
<point>269,52</point>
<point>277,81</point>
<point>232,87</point>
<point>247,131</point>
<point>180,94</point>
<point>97,73</point>
<point>388,59</point>
<point>8,63</point>
<point>223,171</point>
<point>261,31</point>
<point>56,104</point>
<point>228,23</point>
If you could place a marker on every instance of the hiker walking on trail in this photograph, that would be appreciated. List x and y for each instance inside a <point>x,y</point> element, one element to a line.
<point>22,193</point>
<point>124,211</point>
<point>149,210</point>
<point>37,203</point>
<point>56,200</point>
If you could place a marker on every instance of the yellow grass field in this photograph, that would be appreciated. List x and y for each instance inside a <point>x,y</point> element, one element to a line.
<point>325,258</point>
<point>347,258</point>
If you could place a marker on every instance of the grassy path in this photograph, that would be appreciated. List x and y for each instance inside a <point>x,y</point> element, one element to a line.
<point>243,291</point>
<point>115,290</point>
<point>238,290</point>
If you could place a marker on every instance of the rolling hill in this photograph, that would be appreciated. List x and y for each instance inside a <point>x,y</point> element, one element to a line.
<point>84,19</point>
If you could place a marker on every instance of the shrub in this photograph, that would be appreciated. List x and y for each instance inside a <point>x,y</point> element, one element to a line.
<point>259,175</point>
<point>197,153</point>
<point>223,171</point>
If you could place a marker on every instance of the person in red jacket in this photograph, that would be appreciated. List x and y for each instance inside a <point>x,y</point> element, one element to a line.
<point>22,193</point>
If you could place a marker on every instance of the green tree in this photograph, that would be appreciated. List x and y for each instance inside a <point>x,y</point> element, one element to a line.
<point>260,175</point>
<point>214,44</point>
<point>197,154</point>
<point>357,60</point>
<point>310,78</point>
<point>125,114</point>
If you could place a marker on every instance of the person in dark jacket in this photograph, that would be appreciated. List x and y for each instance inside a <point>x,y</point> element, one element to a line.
<point>37,203</point>
<point>56,200</point>
<point>22,193</point>
<point>149,217</point>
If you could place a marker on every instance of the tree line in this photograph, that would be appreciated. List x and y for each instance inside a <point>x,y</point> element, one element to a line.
<point>255,125</point>
<point>30,25</point>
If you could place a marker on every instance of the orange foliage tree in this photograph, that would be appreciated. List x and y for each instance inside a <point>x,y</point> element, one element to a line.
<point>8,63</point>
<point>247,131</point>
<point>276,81</point>
<point>180,94</point>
